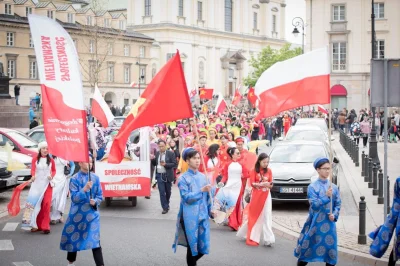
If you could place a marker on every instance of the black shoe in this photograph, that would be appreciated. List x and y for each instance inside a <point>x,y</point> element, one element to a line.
<point>147,197</point>
<point>165,211</point>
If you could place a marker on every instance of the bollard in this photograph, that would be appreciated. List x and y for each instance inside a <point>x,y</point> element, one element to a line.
<point>357,156</point>
<point>388,195</point>
<point>366,168</point>
<point>352,146</point>
<point>362,163</point>
<point>362,238</point>
<point>375,180</point>
<point>380,189</point>
<point>370,164</point>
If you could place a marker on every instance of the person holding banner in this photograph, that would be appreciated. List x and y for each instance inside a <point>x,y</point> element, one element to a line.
<point>82,228</point>
<point>36,216</point>
<point>193,225</point>
<point>318,238</point>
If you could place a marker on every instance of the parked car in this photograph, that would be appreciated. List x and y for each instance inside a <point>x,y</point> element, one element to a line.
<point>291,163</point>
<point>19,141</point>
<point>7,178</point>
<point>321,122</point>
<point>307,132</point>
<point>37,134</point>
<point>22,174</point>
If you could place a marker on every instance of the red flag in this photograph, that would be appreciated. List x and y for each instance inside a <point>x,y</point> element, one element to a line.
<point>221,105</point>
<point>206,93</point>
<point>237,97</point>
<point>252,97</point>
<point>100,110</point>
<point>158,104</point>
<point>322,109</point>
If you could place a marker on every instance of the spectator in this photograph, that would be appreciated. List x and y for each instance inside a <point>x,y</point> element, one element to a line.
<point>37,100</point>
<point>34,123</point>
<point>31,114</point>
<point>365,130</point>
<point>16,93</point>
<point>392,132</point>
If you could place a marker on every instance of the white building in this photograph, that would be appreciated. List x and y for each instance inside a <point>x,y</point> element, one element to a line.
<point>215,38</point>
<point>346,26</point>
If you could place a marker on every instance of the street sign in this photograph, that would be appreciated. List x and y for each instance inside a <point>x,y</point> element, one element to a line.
<point>378,79</point>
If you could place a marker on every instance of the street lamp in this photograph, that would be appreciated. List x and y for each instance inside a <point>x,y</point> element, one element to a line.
<point>140,77</point>
<point>299,22</point>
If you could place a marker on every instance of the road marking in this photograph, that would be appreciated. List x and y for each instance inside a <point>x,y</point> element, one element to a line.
<point>10,227</point>
<point>22,263</point>
<point>6,245</point>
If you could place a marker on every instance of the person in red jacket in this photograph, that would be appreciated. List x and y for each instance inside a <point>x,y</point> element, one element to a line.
<point>202,148</point>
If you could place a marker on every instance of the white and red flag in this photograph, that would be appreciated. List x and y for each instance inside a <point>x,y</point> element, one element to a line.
<point>299,81</point>
<point>100,109</point>
<point>322,109</point>
<point>221,104</point>
<point>133,84</point>
<point>64,115</point>
<point>193,93</point>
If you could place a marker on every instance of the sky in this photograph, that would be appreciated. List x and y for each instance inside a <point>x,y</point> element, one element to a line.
<point>294,8</point>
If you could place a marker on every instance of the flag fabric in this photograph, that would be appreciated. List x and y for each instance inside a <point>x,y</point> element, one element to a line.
<point>252,97</point>
<point>12,164</point>
<point>133,84</point>
<point>221,104</point>
<point>237,97</point>
<point>193,93</point>
<point>158,104</point>
<point>299,81</point>
<point>64,114</point>
<point>322,109</point>
<point>206,93</point>
<point>100,109</point>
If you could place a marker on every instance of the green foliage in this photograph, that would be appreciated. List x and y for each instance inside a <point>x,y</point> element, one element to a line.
<point>266,58</point>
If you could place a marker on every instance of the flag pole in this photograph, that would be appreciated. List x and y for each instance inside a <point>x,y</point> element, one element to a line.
<point>330,146</point>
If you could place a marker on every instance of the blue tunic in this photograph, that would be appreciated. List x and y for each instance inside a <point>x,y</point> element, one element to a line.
<point>318,239</point>
<point>82,228</point>
<point>195,210</point>
<point>383,234</point>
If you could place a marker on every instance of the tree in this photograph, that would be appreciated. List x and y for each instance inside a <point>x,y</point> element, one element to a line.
<point>266,58</point>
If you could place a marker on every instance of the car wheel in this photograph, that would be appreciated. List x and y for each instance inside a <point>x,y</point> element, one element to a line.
<point>108,201</point>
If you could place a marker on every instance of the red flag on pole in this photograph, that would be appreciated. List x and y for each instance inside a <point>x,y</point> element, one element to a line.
<point>100,109</point>
<point>237,97</point>
<point>252,97</point>
<point>193,93</point>
<point>158,104</point>
<point>221,105</point>
<point>206,93</point>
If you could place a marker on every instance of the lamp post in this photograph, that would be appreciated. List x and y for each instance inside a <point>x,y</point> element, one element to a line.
<point>299,22</point>
<point>373,142</point>
<point>139,76</point>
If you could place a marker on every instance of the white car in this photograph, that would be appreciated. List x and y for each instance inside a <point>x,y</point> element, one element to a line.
<point>22,174</point>
<point>307,132</point>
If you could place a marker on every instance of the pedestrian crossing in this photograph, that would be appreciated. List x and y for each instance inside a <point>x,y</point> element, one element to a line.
<point>7,245</point>
<point>9,227</point>
<point>22,263</point>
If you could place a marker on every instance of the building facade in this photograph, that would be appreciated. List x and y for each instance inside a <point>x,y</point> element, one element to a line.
<point>109,55</point>
<point>215,38</point>
<point>345,25</point>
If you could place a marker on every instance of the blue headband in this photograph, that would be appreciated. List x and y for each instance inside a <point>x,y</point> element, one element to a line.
<point>320,161</point>
<point>185,153</point>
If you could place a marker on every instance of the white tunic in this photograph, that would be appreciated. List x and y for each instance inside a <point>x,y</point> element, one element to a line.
<point>60,189</point>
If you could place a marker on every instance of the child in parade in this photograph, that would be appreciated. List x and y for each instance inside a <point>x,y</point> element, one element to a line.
<point>318,239</point>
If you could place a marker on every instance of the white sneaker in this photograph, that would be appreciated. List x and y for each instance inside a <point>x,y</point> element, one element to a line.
<point>70,264</point>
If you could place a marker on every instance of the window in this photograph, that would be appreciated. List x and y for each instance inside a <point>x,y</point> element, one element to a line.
<point>122,24</point>
<point>11,67</point>
<point>147,7</point>
<point>50,14</point>
<point>106,22</point>
<point>231,72</point>
<point>127,74</point>
<point>339,13</point>
<point>110,48</point>
<point>379,9</point>
<point>89,20</point>
<point>153,70</point>
<point>142,78</point>
<point>339,56</point>
<point>92,70</point>
<point>199,10</point>
<point>110,71</point>
<point>28,11</point>
<point>255,20</point>
<point>91,46</point>
<point>169,56</point>
<point>142,51</point>
<point>10,38</point>
<point>71,18</point>
<point>180,10</point>
<point>8,9</point>
<point>380,49</point>
<point>31,45</point>
<point>127,49</point>
<point>33,70</point>
<point>228,15</point>
<point>274,23</point>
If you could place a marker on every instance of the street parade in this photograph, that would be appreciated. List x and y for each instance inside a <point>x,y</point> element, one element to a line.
<point>277,169</point>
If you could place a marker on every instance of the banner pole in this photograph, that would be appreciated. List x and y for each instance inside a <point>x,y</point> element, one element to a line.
<point>330,146</point>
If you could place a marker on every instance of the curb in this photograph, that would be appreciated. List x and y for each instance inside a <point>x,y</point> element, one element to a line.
<point>349,254</point>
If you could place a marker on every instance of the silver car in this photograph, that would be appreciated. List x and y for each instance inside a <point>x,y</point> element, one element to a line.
<point>307,132</point>
<point>292,168</point>
<point>320,122</point>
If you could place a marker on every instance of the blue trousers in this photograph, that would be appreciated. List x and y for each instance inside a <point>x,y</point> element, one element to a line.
<point>164,187</point>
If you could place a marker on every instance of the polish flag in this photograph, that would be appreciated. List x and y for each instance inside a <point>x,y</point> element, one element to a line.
<point>133,84</point>
<point>64,114</point>
<point>100,109</point>
<point>221,104</point>
<point>299,81</point>
<point>193,93</point>
<point>322,109</point>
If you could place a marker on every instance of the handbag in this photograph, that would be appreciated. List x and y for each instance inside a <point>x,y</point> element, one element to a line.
<point>67,170</point>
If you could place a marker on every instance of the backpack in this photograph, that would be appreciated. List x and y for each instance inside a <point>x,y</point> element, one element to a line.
<point>357,131</point>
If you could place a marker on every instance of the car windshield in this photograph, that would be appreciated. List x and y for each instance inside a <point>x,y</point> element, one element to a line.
<point>22,139</point>
<point>119,121</point>
<point>297,153</point>
<point>306,135</point>
<point>38,136</point>
<point>320,123</point>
